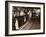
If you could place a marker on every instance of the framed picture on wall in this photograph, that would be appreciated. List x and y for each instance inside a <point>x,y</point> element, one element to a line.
<point>24,18</point>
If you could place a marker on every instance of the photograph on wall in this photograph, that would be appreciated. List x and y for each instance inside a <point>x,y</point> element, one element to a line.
<point>24,18</point>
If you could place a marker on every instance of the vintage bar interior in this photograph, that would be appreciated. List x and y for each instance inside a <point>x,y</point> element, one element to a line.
<point>25,18</point>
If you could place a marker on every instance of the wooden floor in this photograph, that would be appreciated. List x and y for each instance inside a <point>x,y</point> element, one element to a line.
<point>32,24</point>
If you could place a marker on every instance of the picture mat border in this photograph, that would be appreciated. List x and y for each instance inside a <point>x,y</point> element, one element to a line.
<point>25,5</point>
<point>6,17</point>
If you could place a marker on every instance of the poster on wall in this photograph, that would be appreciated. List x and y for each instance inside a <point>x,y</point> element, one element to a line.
<point>24,18</point>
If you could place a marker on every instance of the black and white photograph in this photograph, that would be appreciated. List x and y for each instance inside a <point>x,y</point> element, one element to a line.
<point>24,18</point>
